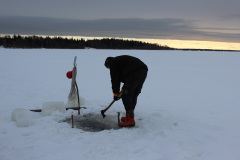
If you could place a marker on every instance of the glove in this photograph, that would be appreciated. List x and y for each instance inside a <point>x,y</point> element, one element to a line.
<point>117,96</point>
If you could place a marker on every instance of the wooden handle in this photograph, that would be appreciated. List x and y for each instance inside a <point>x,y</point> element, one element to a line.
<point>109,106</point>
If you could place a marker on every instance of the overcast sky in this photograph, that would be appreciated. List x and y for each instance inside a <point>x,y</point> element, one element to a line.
<point>210,20</point>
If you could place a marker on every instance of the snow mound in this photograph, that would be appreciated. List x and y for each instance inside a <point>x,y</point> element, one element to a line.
<point>50,107</point>
<point>22,117</point>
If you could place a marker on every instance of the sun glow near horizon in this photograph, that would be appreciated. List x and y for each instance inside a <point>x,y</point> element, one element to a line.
<point>194,44</point>
<point>181,44</point>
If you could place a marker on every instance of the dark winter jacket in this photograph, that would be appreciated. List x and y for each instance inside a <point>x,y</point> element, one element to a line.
<point>121,67</point>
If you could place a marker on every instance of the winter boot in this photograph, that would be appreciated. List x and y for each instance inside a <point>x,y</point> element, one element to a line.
<point>123,119</point>
<point>129,120</point>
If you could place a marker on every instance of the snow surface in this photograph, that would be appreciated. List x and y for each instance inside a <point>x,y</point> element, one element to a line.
<point>189,108</point>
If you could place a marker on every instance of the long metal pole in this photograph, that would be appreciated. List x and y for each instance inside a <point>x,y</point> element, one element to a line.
<point>78,98</point>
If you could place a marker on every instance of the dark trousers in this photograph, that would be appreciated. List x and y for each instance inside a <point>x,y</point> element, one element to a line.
<point>132,88</point>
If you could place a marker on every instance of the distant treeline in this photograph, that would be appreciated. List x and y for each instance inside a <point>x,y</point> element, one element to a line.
<point>18,41</point>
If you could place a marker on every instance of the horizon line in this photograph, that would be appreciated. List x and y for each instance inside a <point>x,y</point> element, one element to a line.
<point>179,44</point>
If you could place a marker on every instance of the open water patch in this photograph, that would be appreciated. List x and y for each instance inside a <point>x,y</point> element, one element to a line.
<point>93,122</point>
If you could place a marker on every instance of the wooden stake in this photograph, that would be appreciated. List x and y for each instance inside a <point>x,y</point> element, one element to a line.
<point>72,121</point>
<point>118,117</point>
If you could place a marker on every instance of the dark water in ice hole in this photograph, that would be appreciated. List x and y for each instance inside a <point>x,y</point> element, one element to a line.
<point>93,122</point>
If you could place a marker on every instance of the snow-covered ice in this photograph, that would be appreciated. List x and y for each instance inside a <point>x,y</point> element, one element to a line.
<point>189,108</point>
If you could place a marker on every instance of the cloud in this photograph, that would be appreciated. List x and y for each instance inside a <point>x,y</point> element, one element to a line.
<point>231,16</point>
<point>123,28</point>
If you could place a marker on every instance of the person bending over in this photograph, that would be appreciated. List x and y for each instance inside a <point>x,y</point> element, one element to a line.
<point>132,72</point>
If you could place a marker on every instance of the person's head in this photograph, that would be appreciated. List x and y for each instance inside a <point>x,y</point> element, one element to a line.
<point>108,61</point>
